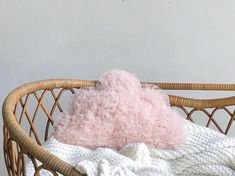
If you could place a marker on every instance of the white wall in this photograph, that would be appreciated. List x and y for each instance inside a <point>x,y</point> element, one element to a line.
<point>162,40</point>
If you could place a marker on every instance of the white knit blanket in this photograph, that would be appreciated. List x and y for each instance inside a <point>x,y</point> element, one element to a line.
<point>206,152</point>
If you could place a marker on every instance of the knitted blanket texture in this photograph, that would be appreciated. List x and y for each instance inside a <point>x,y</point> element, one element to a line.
<point>206,152</point>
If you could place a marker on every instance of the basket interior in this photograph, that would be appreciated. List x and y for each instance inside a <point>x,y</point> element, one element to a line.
<point>35,112</point>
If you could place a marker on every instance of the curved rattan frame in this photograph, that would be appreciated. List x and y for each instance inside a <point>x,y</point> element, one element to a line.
<point>52,162</point>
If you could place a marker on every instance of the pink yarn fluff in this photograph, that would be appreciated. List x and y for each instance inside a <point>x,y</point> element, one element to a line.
<point>119,111</point>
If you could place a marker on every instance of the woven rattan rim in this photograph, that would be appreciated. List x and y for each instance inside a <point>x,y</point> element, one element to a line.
<point>54,163</point>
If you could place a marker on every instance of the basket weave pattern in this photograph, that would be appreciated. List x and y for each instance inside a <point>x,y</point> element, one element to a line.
<point>23,135</point>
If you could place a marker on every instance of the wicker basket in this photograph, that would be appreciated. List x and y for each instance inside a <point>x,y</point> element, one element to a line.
<point>22,139</point>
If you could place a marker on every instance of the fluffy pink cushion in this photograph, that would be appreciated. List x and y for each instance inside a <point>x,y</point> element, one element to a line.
<point>119,111</point>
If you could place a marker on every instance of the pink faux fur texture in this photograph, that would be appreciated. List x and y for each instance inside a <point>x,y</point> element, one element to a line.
<point>119,111</point>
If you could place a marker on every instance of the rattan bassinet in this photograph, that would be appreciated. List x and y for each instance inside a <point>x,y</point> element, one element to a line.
<point>22,139</point>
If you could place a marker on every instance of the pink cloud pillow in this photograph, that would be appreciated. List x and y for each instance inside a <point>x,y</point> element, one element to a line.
<point>119,111</point>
